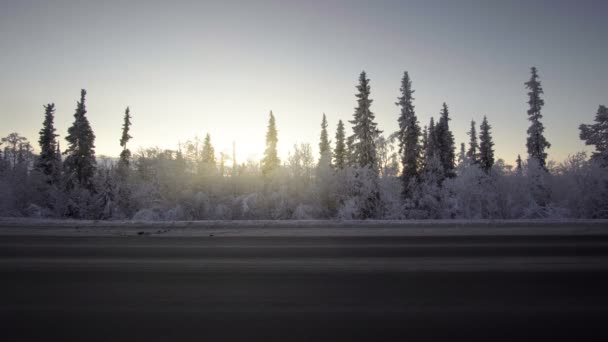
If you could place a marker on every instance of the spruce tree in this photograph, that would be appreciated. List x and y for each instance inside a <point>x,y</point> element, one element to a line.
<point>80,162</point>
<point>473,151</point>
<point>125,155</point>
<point>340,157</point>
<point>324,147</point>
<point>364,154</point>
<point>408,135</point>
<point>271,160</point>
<point>208,153</point>
<point>425,142</point>
<point>47,160</point>
<point>445,142</point>
<point>536,142</point>
<point>597,135</point>
<point>364,127</point>
<point>351,158</point>
<point>432,146</point>
<point>462,155</point>
<point>486,150</point>
<point>519,169</point>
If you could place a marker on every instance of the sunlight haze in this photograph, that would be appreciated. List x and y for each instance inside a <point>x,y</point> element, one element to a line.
<point>191,68</point>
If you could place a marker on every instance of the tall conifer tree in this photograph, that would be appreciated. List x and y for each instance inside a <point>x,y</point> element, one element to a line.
<point>324,147</point>
<point>340,157</point>
<point>208,153</point>
<point>519,168</point>
<point>80,162</point>
<point>408,136</point>
<point>47,160</point>
<point>473,151</point>
<point>536,142</point>
<point>365,130</point>
<point>486,146</point>
<point>445,142</point>
<point>125,155</point>
<point>271,159</point>
<point>597,135</point>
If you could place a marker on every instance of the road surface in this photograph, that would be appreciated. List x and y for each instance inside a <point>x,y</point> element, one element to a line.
<point>303,288</point>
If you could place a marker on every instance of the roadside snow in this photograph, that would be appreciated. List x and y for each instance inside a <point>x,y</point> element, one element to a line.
<point>22,226</point>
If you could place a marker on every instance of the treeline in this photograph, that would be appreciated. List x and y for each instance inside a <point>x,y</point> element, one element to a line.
<point>414,173</point>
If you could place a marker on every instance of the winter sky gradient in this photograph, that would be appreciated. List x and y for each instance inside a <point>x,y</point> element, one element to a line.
<point>188,68</point>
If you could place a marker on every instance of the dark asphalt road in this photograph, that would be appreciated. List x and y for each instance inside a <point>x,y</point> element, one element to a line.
<point>305,288</point>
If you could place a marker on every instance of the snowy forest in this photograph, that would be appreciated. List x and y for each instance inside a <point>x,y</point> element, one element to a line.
<point>417,172</point>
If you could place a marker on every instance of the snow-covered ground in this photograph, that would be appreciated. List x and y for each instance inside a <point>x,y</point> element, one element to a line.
<point>21,226</point>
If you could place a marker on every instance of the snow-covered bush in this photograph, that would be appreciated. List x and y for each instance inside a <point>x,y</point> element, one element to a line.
<point>580,187</point>
<point>146,215</point>
<point>359,194</point>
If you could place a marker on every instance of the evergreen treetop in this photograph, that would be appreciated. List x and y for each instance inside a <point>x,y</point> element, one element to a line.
<point>536,142</point>
<point>125,155</point>
<point>340,158</point>
<point>80,162</point>
<point>271,160</point>
<point>473,151</point>
<point>445,142</point>
<point>47,160</point>
<point>597,135</point>
<point>408,135</point>
<point>324,147</point>
<point>208,152</point>
<point>486,149</point>
<point>365,130</point>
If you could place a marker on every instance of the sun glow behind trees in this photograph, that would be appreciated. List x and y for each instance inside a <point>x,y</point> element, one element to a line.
<point>365,181</point>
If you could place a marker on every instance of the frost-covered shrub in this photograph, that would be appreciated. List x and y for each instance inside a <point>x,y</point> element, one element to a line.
<point>303,212</point>
<point>222,212</point>
<point>146,215</point>
<point>471,195</point>
<point>278,206</point>
<point>247,207</point>
<point>360,197</point>
<point>392,203</point>
<point>580,186</point>
<point>426,195</point>
<point>176,213</point>
<point>348,210</point>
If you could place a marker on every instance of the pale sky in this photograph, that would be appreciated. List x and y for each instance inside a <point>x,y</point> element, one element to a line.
<point>188,68</point>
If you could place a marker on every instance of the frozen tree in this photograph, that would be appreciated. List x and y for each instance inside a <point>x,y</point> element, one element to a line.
<point>408,136</point>
<point>13,150</point>
<point>80,162</point>
<point>518,167</point>
<point>486,150</point>
<point>427,197</point>
<point>325,175</point>
<point>463,160</point>
<point>208,154</point>
<point>597,135</point>
<point>271,159</point>
<point>364,152</point>
<point>340,156</point>
<point>351,158</point>
<point>430,143</point>
<point>324,147</point>
<point>125,155</point>
<point>106,197</point>
<point>118,194</point>
<point>365,131</point>
<point>536,142</point>
<point>445,142</point>
<point>473,151</point>
<point>47,160</point>
<point>388,159</point>
<point>424,143</point>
